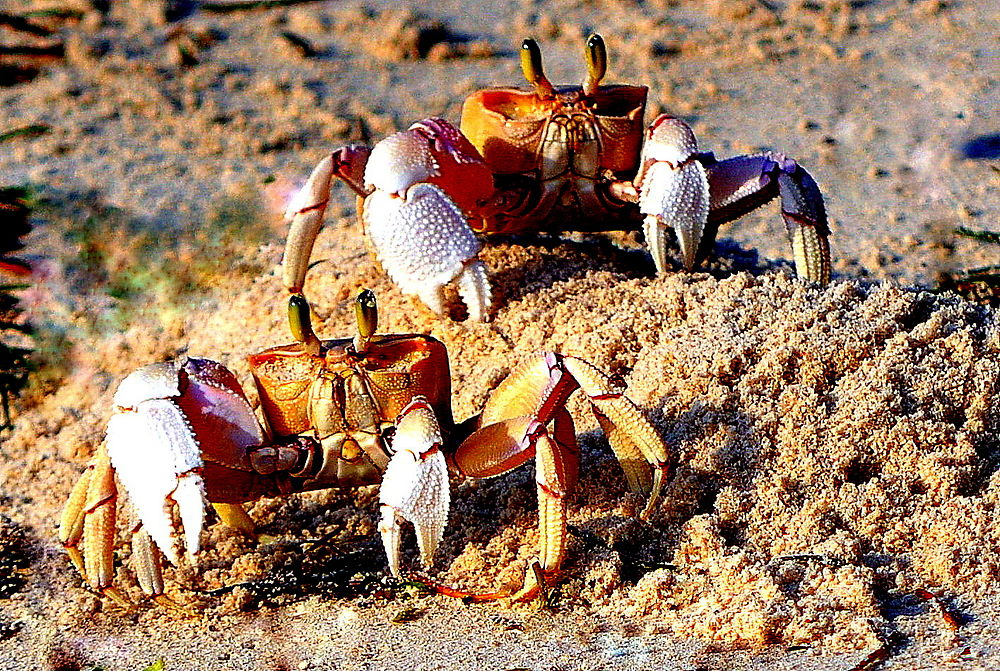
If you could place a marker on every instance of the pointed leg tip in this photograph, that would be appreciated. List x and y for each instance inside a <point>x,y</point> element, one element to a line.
<point>535,584</point>
<point>174,606</point>
<point>116,596</point>
<point>76,557</point>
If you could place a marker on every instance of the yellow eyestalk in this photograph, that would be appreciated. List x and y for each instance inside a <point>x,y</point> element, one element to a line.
<point>366,311</point>
<point>531,66</point>
<point>597,63</point>
<point>300,323</point>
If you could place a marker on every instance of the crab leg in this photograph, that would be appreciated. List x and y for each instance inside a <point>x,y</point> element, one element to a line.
<point>73,514</point>
<point>179,428</point>
<point>743,183</point>
<point>514,428</point>
<point>638,447</point>
<point>415,485</point>
<point>306,211</point>
<point>681,188</point>
<point>146,562</point>
<point>540,386</point>
<point>157,457</point>
<point>557,465</point>
<point>500,447</point>
<point>89,518</point>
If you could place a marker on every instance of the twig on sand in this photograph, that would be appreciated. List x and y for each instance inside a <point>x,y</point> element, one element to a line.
<point>876,657</point>
<point>222,6</point>
<point>32,130</point>
<point>949,617</point>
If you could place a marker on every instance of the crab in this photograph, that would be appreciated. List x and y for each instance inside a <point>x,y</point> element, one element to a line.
<point>551,159</point>
<point>372,409</point>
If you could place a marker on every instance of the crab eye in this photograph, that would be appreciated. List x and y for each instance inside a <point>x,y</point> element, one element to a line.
<point>300,323</point>
<point>531,66</point>
<point>597,63</point>
<point>366,311</point>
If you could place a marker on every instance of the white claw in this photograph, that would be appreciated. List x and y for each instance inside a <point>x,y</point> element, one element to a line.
<point>415,485</point>
<point>157,380</point>
<point>390,528</point>
<point>424,242</point>
<point>474,288</point>
<point>673,191</point>
<point>154,452</point>
<point>190,498</point>
<point>399,161</point>
<point>655,232</point>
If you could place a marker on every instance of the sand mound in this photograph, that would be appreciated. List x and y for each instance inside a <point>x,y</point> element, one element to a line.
<point>836,452</point>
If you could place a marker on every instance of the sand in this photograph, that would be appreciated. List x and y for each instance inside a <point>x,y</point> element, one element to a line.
<point>835,450</point>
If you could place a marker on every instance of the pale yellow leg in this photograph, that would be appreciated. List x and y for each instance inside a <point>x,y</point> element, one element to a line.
<point>639,448</point>
<point>71,522</point>
<point>99,523</point>
<point>235,515</point>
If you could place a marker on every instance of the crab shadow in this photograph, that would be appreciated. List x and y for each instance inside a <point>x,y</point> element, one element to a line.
<point>983,147</point>
<point>552,259</point>
<point>484,510</point>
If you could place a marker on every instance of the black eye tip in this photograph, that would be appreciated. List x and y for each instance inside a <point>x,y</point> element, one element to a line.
<point>529,44</point>
<point>594,40</point>
<point>366,297</point>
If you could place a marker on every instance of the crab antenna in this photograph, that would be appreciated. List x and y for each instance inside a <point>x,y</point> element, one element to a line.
<point>301,323</point>
<point>531,66</point>
<point>597,63</point>
<point>366,311</point>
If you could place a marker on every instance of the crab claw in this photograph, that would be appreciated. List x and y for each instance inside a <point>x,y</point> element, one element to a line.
<point>428,181</point>
<point>415,484</point>
<point>424,242</point>
<point>673,190</point>
<point>156,457</point>
<point>166,412</point>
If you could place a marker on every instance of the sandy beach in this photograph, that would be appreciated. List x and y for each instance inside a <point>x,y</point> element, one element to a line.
<point>835,450</point>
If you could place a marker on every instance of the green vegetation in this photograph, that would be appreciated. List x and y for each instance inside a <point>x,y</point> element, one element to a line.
<point>107,270</point>
<point>143,267</point>
<point>977,284</point>
<point>15,345</point>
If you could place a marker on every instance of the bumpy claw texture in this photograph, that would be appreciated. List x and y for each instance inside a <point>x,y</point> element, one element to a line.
<point>154,452</point>
<point>673,191</point>
<point>415,484</point>
<point>400,161</point>
<point>428,180</point>
<point>424,242</point>
<point>169,418</point>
